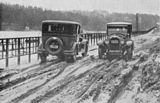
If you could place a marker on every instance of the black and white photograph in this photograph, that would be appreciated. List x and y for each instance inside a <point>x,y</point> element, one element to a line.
<point>79,51</point>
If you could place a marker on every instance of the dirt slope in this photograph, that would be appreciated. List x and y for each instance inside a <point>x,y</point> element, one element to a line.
<point>89,80</point>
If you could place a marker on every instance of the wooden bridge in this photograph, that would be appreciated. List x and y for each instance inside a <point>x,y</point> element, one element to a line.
<point>18,47</point>
<point>26,46</point>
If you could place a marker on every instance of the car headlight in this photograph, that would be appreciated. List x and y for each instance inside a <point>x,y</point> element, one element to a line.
<point>107,42</point>
<point>122,42</point>
<point>129,43</point>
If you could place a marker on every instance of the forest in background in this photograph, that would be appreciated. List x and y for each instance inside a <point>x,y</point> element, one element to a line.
<point>16,17</point>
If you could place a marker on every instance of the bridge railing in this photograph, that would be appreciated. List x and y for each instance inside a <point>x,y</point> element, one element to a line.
<point>93,38</point>
<point>17,47</point>
<point>26,46</point>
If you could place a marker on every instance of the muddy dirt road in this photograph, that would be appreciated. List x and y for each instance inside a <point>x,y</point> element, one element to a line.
<point>89,79</point>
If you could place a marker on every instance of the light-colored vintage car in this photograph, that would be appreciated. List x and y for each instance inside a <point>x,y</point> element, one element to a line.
<point>118,42</point>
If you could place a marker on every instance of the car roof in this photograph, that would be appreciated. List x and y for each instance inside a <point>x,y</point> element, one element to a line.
<point>60,21</point>
<point>119,23</point>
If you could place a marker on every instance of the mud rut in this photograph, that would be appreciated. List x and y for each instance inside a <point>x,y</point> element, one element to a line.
<point>12,82</point>
<point>97,75</point>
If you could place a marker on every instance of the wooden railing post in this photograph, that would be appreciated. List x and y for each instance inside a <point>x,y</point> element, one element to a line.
<point>15,40</point>
<point>3,49</point>
<point>23,46</point>
<point>38,44</point>
<point>19,52</point>
<point>103,36</point>
<point>91,38</point>
<point>29,48</point>
<point>7,50</point>
<point>96,38</point>
<point>87,38</point>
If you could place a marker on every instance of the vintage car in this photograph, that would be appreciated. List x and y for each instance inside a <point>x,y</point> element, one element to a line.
<point>118,42</point>
<point>62,39</point>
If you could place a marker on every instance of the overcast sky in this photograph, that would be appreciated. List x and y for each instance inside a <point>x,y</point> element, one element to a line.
<point>129,6</point>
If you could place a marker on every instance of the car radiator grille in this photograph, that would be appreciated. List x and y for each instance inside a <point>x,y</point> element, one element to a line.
<point>114,47</point>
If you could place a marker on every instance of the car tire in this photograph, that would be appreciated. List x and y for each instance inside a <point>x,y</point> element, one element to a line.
<point>42,55</point>
<point>70,58</point>
<point>84,54</point>
<point>129,54</point>
<point>100,53</point>
<point>61,57</point>
<point>54,39</point>
<point>73,59</point>
<point>86,51</point>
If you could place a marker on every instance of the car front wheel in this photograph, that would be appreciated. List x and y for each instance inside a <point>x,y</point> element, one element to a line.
<point>100,53</point>
<point>129,54</point>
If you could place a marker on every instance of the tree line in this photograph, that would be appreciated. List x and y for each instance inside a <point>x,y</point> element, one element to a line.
<point>16,17</point>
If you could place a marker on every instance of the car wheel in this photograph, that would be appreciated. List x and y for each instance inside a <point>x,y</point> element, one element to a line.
<point>61,57</point>
<point>70,58</point>
<point>86,51</point>
<point>129,54</point>
<point>41,54</point>
<point>73,58</point>
<point>100,53</point>
<point>43,57</point>
<point>84,54</point>
<point>126,57</point>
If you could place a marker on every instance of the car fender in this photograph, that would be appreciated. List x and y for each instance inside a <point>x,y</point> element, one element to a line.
<point>130,42</point>
<point>85,42</point>
<point>101,44</point>
<point>130,46</point>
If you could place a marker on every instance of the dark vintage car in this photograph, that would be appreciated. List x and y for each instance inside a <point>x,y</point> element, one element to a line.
<point>62,39</point>
<point>118,42</point>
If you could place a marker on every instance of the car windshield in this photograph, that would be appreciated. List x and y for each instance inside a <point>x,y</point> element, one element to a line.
<point>60,28</point>
<point>122,30</point>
